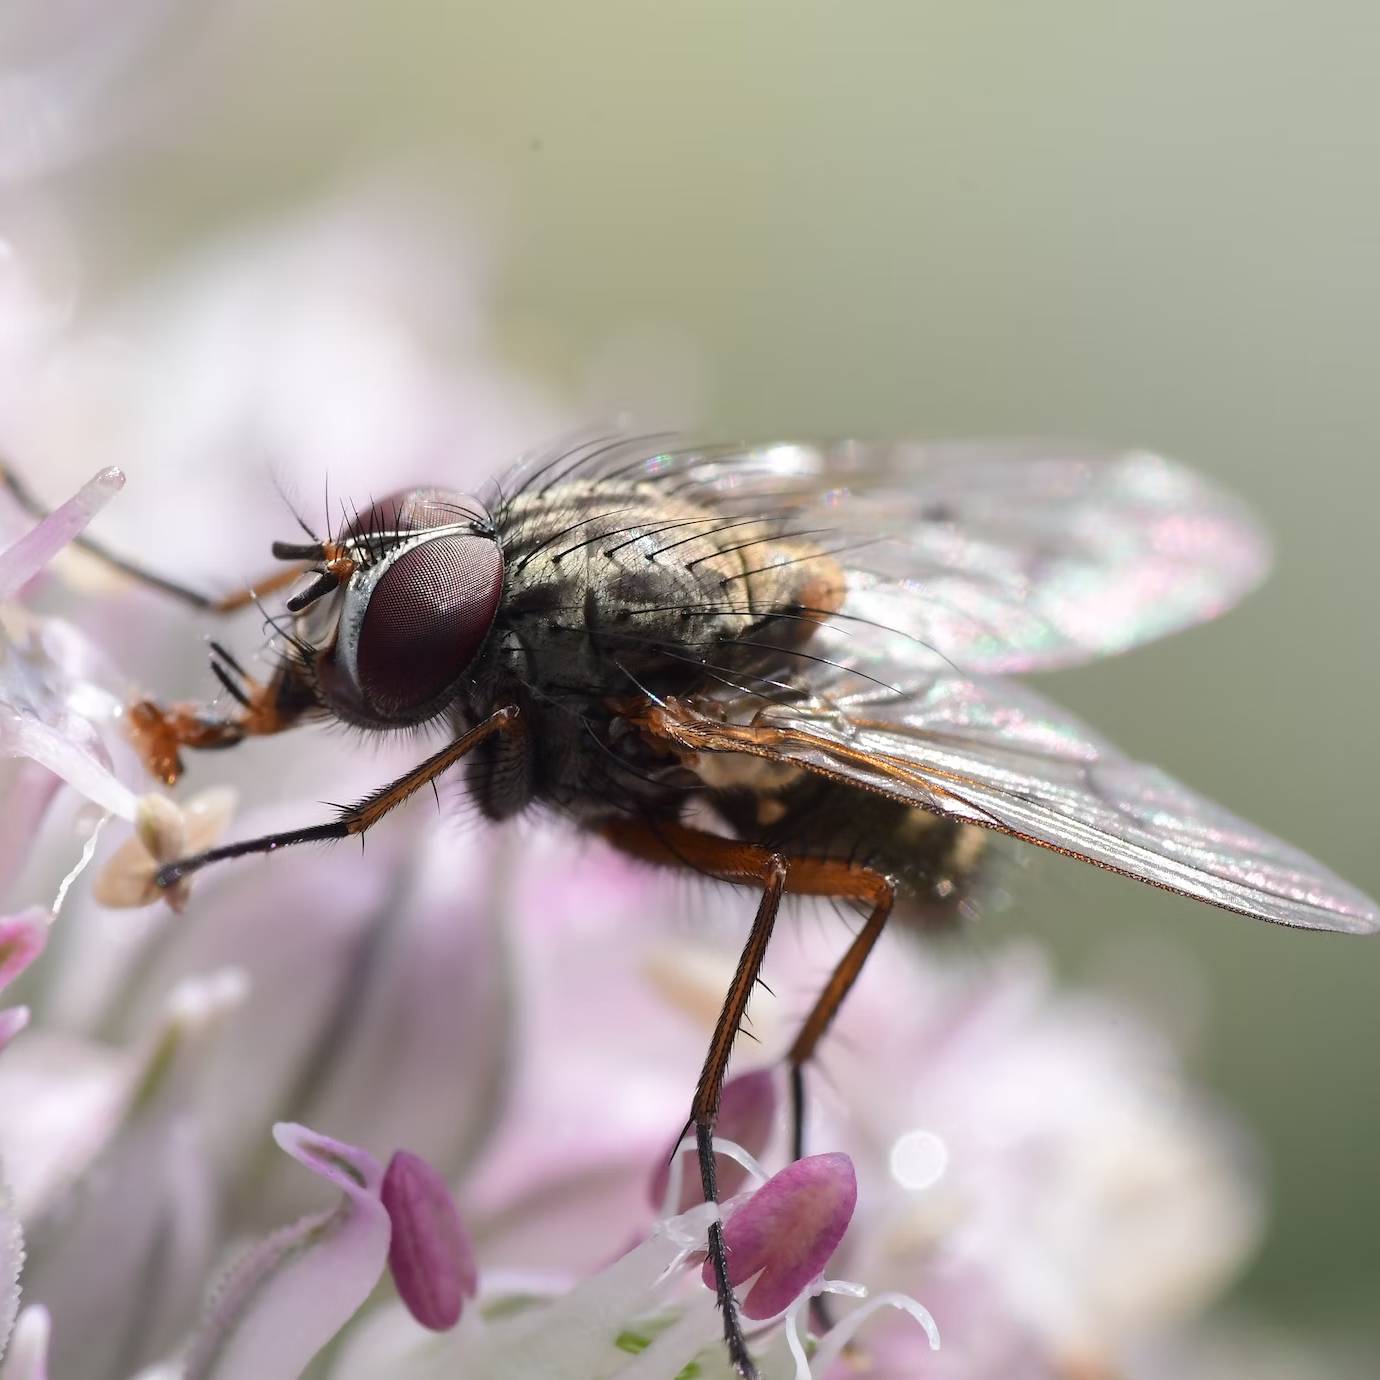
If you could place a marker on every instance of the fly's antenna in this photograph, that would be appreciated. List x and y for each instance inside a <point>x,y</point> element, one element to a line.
<point>299,551</point>
<point>336,566</point>
<point>325,583</point>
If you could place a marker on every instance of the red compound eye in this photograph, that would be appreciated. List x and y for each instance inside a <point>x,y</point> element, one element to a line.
<point>427,618</point>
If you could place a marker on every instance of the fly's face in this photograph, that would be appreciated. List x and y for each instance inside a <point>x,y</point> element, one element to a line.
<point>402,606</point>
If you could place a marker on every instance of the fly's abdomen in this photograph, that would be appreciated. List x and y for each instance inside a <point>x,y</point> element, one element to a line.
<point>942,869</point>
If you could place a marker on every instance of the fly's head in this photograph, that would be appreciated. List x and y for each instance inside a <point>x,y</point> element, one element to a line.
<point>401,608</point>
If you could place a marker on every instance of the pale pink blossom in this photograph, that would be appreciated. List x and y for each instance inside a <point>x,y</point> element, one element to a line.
<point>289,1295</point>
<point>54,709</point>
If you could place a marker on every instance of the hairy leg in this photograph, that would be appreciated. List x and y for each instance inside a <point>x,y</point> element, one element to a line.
<point>359,817</point>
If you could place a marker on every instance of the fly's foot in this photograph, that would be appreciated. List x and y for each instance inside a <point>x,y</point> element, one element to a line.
<point>157,734</point>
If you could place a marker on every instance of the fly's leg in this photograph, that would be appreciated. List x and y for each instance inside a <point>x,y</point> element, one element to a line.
<point>859,885</point>
<point>159,733</point>
<point>356,818</point>
<point>745,864</point>
<point>705,1107</point>
<point>853,884</point>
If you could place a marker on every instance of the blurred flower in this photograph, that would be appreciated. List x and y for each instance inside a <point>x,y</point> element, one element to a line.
<point>1042,1156</point>
<point>27,1356</point>
<point>72,83</point>
<point>53,709</point>
<point>215,398</point>
<point>121,1225</point>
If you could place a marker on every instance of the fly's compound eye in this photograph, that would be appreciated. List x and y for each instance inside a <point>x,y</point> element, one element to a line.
<point>426,619</point>
<point>418,609</point>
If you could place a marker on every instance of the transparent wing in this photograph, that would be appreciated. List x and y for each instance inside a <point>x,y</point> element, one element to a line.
<point>1001,556</point>
<point>991,753</point>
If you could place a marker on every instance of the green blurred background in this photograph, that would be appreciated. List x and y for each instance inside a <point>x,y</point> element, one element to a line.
<point>1150,223</point>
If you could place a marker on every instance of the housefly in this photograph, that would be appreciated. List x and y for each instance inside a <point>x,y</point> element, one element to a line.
<point>786,667</point>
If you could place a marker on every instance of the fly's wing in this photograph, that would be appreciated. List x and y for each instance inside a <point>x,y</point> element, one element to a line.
<point>991,753</point>
<point>1001,556</point>
<point>980,557</point>
<point>1012,560</point>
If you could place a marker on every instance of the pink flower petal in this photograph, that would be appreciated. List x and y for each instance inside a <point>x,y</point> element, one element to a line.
<point>295,1290</point>
<point>22,937</point>
<point>747,1116</point>
<point>54,708</point>
<point>20,737</point>
<point>11,1260</point>
<point>126,1240</point>
<point>788,1230</point>
<point>13,1019</point>
<point>22,561</point>
<point>25,807</point>
<point>27,1357</point>
<point>430,1254</point>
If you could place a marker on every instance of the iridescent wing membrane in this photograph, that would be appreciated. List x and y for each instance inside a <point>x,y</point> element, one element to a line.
<point>990,753</point>
<point>973,558</point>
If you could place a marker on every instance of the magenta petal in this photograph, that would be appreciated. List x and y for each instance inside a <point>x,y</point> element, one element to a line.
<point>788,1230</point>
<point>22,561</point>
<point>22,937</point>
<point>430,1253</point>
<point>747,1114</point>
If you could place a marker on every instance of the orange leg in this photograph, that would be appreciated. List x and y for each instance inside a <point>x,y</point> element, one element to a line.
<point>159,733</point>
<point>881,892</point>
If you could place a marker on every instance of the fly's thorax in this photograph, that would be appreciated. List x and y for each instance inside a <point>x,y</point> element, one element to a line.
<point>622,575</point>
<point>614,592</point>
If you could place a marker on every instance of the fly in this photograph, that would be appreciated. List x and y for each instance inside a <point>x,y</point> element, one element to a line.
<point>785,667</point>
